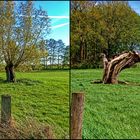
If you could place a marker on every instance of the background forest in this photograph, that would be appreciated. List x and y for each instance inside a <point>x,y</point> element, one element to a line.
<point>108,27</point>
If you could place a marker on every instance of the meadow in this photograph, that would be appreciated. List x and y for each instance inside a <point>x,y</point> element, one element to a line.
<point>110,111</point>
<point>41,96</point>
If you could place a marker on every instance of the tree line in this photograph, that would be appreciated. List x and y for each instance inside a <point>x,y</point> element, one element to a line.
<point>23,32</point>
<point>58,55</point>
<point>108,27</point>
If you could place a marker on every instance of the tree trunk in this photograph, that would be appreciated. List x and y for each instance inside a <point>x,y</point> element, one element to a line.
<point>10,75</point>
<point>113,67</point>
<point>7,74</point>
<point>58,62</point>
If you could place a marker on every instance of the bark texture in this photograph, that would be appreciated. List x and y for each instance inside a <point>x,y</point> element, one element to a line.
<point>10,75</point>
<point>77,107</point>
<point>113,67</point>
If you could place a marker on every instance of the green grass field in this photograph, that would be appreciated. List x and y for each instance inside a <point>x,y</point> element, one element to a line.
<point>111,111</point>
<point>43,96</point>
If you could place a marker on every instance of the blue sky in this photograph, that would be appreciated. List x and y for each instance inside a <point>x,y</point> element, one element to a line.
<point>135,5</point>
<point>58,11</point>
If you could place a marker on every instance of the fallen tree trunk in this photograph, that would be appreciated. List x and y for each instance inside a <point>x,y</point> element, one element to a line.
<point>113,67</point>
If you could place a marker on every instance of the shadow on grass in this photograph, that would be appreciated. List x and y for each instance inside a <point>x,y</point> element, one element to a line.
<point>25,81</point>
<point>130,83</point>
<point>2,80</point>
<point>28,82</point>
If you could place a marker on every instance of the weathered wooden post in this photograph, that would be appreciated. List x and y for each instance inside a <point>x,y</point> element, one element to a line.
<point>6,109</point>
<point>77,107</point>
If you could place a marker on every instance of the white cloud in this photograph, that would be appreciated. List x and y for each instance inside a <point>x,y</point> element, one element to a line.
<point>59,17</point>
<point>60,25</point>
<point>55,17</point>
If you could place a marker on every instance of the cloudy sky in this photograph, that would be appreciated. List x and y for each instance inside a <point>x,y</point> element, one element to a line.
<point>58,11</point>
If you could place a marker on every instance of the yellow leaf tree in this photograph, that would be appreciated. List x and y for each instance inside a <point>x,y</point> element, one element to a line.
<point>22,32</point>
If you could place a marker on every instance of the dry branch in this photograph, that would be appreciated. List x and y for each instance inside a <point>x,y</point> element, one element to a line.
<point>113,67</point>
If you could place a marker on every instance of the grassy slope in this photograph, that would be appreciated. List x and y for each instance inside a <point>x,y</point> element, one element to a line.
<point>111,111</point>
<point>41,95</point>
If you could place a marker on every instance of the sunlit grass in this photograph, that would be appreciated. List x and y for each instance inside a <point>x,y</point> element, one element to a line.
<point>111,111</point>
<point>41,95</point>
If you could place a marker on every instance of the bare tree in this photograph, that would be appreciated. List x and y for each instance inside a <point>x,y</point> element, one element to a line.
<point>22,31</point>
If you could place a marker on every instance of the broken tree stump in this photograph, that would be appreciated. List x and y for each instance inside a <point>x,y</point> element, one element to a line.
<point>113,67</point>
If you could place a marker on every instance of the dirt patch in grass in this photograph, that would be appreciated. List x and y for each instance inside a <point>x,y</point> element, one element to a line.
<point>30,129</point>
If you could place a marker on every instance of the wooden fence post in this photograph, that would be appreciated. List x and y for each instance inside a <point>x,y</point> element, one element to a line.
<point>77,107</point>
<point>6,109</point>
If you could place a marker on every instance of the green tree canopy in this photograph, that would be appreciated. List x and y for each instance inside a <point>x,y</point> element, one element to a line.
<point>106,26</point>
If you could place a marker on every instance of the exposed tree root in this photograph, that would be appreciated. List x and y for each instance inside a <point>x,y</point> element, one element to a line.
<point>98,81</point>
